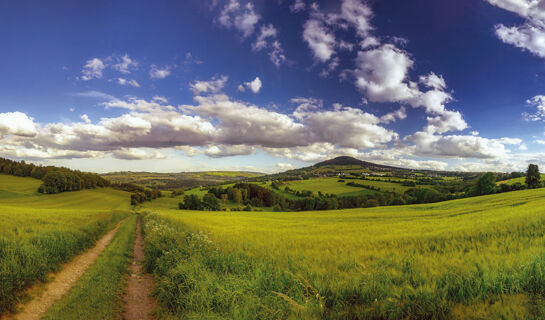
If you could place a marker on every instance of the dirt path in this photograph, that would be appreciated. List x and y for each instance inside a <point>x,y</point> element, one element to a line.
<point>62,282</point>
<point>138,301</point>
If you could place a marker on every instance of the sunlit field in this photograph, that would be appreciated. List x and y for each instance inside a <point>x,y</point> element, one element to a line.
<point>39,232</point>
<point>480,257</point>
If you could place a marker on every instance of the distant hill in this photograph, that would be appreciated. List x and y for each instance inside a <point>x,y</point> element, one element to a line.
<point>350,161</point>
<point>179,180</point>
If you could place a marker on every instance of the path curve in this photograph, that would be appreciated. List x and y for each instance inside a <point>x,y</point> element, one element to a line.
<point>138,301</point>
<point>62,282</point>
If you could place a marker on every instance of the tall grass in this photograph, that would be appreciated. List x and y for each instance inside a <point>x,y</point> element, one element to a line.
<point>40,232</point>
<point>406,262</point>
<point>98,293</point>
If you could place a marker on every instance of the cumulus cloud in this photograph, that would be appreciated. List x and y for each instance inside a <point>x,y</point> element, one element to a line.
<point>460,146</point>
<point>159,73</point>
<point>136,154</point>
<point>320,40</point>
<point>297,6</point>
<point>241,17</point>
<point>220,151</point>
<point>400,113</point>
<point>539,103</point>
<point>125,64</point>
<point>92,69</point>
<point>285,166</point>
<point>212,86</point>
<point>85,118</point>
<point>254,85</point>
<point>531,34</point>
<point>128,82</point>
<point>17,123</point>
<point>267,31</point>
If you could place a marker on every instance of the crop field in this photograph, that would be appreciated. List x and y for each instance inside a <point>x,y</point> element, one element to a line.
<point>521,180</point>
<point>39,232</point>
<point>333,186</point>
<point>477,258</point>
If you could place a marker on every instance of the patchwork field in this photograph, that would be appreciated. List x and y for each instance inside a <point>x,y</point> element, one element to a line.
<point>480,257</point>
<point>39,232</point>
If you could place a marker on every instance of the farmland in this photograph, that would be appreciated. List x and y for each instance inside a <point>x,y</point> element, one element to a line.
<point>39,232</point>
<point>444,260</point>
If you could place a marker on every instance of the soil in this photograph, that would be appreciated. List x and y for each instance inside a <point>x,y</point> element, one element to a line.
<point>139,304</point>
<point>61,283</point>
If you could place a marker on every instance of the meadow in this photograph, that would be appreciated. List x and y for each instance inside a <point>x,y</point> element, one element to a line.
<point>480,258</point>
<point>39,232</point>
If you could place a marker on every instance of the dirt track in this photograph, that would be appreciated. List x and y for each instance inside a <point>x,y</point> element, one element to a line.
<point>62,282</point>
<point>138,302</point>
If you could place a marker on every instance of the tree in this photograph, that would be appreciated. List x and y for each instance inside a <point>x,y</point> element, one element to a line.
<point>210,202</point>
<point>533,178</point>
<point>237,195</point>
<point>486,184</point>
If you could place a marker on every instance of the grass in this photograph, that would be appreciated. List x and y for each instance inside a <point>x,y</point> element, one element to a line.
<point>435,261</point>
<point>39,232</point>
<point>327,185</point>
<point>98,294</point>
<point>15,187</point>
<point>521,180</point>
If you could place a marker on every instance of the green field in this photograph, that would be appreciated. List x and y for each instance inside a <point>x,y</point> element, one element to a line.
<point>39,232</point>
<point>521,180</point>
<point>443,260</point>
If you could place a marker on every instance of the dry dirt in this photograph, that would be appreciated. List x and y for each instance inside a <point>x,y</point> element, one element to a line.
<point>138,301</point>
<point>61,283</point>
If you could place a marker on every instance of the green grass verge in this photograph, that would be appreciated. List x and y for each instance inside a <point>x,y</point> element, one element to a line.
<point>98,293</point>
<point>433,261</point>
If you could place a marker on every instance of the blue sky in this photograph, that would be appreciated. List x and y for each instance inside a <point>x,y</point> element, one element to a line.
<point>270,85</point>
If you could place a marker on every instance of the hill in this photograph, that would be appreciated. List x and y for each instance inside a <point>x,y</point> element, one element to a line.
<point>350,161</point>
<point>179,180</point>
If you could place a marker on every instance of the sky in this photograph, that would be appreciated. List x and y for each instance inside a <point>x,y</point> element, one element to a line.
<point>270,85</point>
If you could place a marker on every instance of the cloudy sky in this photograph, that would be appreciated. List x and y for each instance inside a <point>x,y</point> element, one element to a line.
<point>269,85</point>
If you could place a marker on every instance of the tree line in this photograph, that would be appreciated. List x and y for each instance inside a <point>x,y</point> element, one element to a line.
<point>55,179</point>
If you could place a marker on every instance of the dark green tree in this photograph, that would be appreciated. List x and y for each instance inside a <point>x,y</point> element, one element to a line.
<point>210,202</point>
<point>533,178</point>
<point>486,184</point>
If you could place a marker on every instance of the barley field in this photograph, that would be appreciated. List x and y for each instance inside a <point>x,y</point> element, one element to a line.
<point>39,232</point>
<point>475,258</point>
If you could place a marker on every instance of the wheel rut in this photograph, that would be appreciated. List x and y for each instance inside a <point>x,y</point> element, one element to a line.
<point>139,303</point>
<point>62,281</point>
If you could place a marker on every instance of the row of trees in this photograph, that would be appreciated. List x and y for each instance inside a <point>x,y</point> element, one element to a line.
<point>486,184</point>
<point>55,179</point>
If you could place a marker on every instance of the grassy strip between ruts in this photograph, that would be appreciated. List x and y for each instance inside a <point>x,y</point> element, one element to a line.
<point>98,293</point>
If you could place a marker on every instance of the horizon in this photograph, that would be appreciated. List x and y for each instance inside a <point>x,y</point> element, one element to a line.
<point>269,86</point>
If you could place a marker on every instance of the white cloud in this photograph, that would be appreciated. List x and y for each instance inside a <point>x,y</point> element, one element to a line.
<point>93,69</point>
<point>17,123</point>
<point>241,17</point>
<point>212,86</point>
<point>128,82</point>
<point>221,151</point>
<point>159,73</point>
<point>400,113</point>
<point>276,55</point>
<point>297,6</point>
<point>319,39</point>
<point>267,31</point>
<point>254,85</point>
<point>125,64</point>
<point>531,34</point>
<point>136,154</point>
<point>85,118</point>
<point>539,103</point>
<point>284,166</point>
<point>95,94</point>
<point>460,146</point>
